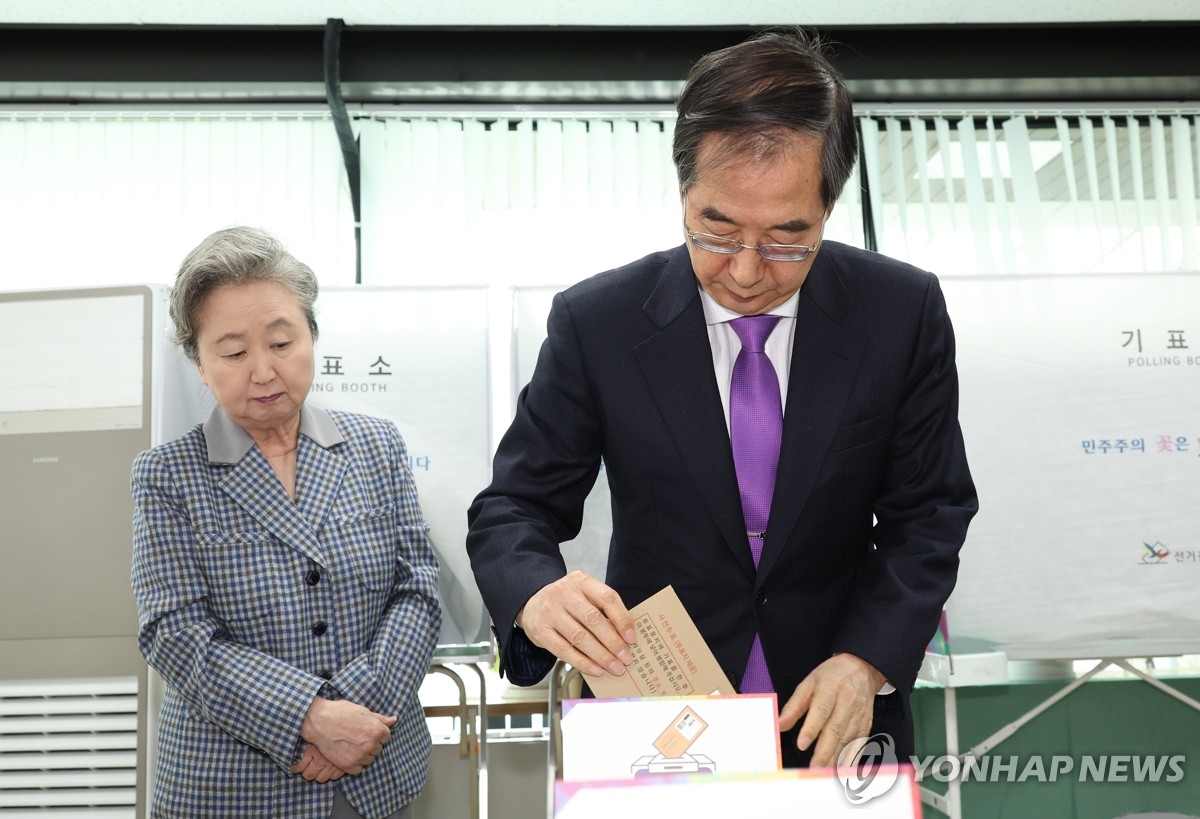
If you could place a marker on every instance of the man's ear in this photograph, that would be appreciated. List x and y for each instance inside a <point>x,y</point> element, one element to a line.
<point>200,369</point>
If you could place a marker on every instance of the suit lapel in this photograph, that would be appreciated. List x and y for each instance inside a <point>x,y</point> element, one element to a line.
<point>677,363</point>
<point>252,485</point>
<point>319,475</point>
<point>825,360</point>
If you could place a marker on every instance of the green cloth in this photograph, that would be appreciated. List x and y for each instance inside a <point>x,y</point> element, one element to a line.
<point>1101,718</point>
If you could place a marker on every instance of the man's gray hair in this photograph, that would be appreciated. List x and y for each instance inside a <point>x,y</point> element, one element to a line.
<point>750,96</point>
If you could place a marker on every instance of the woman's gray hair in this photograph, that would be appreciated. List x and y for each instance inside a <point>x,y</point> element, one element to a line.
<point>233,256</point>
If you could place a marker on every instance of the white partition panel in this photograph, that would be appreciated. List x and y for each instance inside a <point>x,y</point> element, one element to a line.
<point>1081,413</point>
<point>419,356</point>
<point>589,550</point>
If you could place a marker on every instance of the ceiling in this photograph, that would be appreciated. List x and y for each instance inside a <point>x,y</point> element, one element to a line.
<point>576,52</point>
<point>670,13</point>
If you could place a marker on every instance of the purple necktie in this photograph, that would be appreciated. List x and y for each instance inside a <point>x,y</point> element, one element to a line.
<point>755,429</point>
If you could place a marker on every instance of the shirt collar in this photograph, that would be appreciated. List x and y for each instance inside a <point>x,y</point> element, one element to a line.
<point>716,314</point>
<point>228,443</point>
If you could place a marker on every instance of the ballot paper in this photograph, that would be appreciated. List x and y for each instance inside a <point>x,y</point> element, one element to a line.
<point>670,658</point>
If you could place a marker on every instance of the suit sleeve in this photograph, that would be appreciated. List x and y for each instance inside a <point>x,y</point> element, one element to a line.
<point>544,468</point>
<point>258,699</point>
<point>387,675</point>
<point>924,503</point>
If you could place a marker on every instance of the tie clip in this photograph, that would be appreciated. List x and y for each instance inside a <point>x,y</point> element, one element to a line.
<point>760,535</point>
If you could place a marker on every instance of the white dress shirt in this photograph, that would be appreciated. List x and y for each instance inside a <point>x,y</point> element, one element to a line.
<point>726,345</point>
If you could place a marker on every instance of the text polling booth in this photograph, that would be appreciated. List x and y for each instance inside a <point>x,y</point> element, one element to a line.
<point>419,357</point>
<point>1081,414</point>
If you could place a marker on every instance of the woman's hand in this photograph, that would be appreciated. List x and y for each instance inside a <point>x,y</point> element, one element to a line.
<point>314,767</point>
<point>349,736</point>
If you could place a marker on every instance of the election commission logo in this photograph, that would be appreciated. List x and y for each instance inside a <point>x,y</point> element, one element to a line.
<point>867,767</point>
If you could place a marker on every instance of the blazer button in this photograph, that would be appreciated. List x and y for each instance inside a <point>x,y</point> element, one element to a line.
<point>319,628</point>
<point>312,578</point>
<point>761,599</point>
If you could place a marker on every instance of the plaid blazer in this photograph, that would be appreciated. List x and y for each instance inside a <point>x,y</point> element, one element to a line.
<point>251,604</point>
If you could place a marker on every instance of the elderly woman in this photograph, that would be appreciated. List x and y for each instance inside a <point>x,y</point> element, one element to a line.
<point>286,590</point>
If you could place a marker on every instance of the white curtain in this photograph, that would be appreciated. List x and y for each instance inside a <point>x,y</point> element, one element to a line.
<point>99,198</point>
<point>543,200</point>
<point>521,198</point>
<point>465,200</point>
<point>1034,192</point>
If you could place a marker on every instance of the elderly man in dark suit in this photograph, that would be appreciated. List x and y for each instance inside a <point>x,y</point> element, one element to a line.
<point>807,503</point>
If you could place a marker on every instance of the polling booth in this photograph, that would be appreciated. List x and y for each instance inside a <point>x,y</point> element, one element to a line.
<point>420,357</point>
<point>1079,400</point>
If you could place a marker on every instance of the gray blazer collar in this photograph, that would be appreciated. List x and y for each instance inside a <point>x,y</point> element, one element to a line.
<point>228,443</point>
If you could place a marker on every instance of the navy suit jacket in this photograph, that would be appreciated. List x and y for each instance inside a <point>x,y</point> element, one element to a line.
<point>872,495</point>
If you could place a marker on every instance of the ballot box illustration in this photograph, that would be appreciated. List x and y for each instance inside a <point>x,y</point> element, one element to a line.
<point>672,746</point>
<point>642,736</point>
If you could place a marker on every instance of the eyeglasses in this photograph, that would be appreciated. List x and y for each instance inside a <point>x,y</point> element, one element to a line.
<point>771,252</point>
